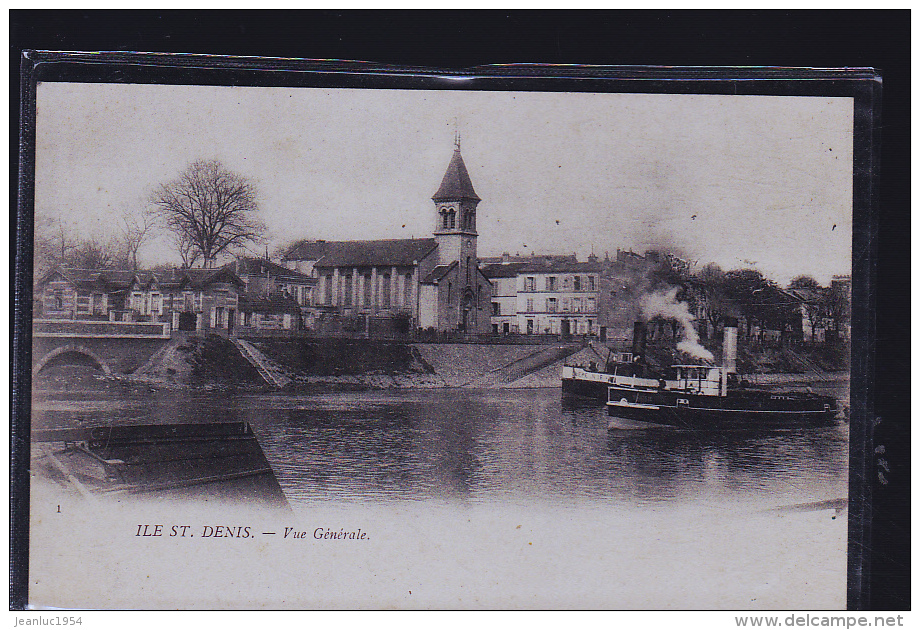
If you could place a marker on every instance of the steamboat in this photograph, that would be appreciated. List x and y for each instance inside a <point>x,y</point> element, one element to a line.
<point>698,395</point>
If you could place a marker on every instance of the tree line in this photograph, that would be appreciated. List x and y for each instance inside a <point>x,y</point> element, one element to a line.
<point>762,303</point>
<point>206,211</point>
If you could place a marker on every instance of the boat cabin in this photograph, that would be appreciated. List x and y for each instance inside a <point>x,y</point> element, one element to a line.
<point>697,379</point>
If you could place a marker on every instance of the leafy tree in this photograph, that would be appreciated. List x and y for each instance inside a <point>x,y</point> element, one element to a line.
<point>805,282</point>
<point>814,301</point>
<point>98,253</point>
<point>210,210</point>
<point>837,301</point>
<point>761,301</point>
<point>708,288</point>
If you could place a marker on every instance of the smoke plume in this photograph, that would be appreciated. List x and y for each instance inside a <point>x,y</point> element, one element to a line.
<point>664,304</point>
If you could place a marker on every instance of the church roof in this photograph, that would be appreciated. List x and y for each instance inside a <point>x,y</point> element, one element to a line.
<point>438,273</point>
<point>456,183</point>
<point>394,252</point>
<point>306,250</point>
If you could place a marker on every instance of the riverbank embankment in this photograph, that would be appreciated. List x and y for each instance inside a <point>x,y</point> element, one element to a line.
<point>214,361</point>
<point>303,364</point>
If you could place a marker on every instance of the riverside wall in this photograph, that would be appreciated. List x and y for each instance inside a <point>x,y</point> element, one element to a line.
<point>362,363</point>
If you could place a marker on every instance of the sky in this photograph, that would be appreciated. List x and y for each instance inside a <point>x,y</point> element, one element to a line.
<point>742,181</point>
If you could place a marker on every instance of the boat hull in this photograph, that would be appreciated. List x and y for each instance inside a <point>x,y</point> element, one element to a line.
<point>743,410</point>
<point>584,387</point>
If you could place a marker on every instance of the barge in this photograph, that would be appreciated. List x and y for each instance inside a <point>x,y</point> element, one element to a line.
<point>195,460</point>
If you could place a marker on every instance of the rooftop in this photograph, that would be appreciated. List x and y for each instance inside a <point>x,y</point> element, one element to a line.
<point>250,266</point>
<point>393,252</point>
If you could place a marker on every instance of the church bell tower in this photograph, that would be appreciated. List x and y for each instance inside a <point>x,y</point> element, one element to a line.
<point>455,206</point>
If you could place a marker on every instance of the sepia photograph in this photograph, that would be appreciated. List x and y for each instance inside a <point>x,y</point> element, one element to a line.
<point>342,347</point>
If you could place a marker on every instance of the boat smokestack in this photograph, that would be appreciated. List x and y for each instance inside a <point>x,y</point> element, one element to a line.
<point>729,351</point>
<point>638,343</point>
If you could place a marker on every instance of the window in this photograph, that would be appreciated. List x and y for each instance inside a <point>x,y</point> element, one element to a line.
<point>348,290</point>
<point>576,305</point>
<point>450,293</point>
<point>385,301</point>
<point>367,289</point>
<point>155,303</point>
<point>591,283</point>
<point>551,305</point>
<point>83,305</point>
<point>496,308</point>
<point>469,261</point>
<point>479,297</point>
<point>59,300</point>
<point>591,305</point>
<point>551,283</point>
<point>590,326</point>
<point>530,305</point>
<point>566,305</point>
<point>407,291</point>
<point>137,301</point>
<point>577,283</point>
<point>452,217</point>
<point>327,289</point>
<point>530,283</point>
<point>529,326</point>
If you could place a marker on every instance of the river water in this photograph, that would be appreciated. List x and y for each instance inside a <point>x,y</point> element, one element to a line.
<point>462,445</point>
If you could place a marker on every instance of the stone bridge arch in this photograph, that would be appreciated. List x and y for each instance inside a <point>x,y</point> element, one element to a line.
<point>78,349</point>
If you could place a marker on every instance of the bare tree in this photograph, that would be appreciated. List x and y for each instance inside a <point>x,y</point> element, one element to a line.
<point>135,231</point>
<point>209,208</point>
<point>54,243</point>
<point>188,252</point>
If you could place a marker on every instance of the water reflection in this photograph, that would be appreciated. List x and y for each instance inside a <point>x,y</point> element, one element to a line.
<point>488,445</point>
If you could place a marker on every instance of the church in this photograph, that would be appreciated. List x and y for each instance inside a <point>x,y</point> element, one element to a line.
<point>435,283</point>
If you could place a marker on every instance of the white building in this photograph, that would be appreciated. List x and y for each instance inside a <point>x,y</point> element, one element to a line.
<point>545,295</point>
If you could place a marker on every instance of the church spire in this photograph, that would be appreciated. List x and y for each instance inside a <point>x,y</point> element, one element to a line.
<point>456,184</point>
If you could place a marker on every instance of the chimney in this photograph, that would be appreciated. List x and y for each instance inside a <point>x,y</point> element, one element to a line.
<point>729,351</point>
<point>506,258</point>
<point>638,344</point>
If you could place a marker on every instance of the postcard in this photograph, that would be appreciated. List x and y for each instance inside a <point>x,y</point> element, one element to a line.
<point>329,346</point>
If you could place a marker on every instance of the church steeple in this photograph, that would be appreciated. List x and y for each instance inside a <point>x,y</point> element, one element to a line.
<point>455,204</point>
<point>456,184</point>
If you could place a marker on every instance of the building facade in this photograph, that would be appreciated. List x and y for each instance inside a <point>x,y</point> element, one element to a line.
<point>274,296</point>
<point>188,299</point>
<point>548,295</point>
